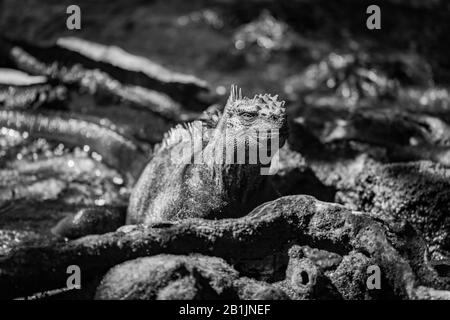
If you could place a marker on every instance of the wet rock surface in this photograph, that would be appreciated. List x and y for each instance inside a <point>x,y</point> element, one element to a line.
<point>399,253</point>
<point>362,182</point>
<point>89,221</point>
<point>169,277</point>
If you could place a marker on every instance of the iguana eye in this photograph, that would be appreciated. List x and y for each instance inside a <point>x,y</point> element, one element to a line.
<point>248,115</point>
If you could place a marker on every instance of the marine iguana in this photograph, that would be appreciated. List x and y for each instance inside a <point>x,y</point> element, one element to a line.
<point>176,185</point>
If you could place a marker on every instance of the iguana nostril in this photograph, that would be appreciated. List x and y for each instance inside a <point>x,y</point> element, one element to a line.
<point>304,277</point>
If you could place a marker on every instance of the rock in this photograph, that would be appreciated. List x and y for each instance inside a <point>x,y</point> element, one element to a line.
<point>13,239</point>
<point>269,293</point>
<point>169,277</point>
<point>263,36</point>
<point>325,260</point>
<point>89,221</point>
<point>188,288</point>
<point>110,72</point>
<point>119,151</point>
<point>305,279</point>
<point>351,275</point>
<point>250,289</point>
<point>293,176</point>
<point>424,293</point>
<point>347,77</point>
<point>397,250</point>
<point>19,90</point>
<point>416,192</point>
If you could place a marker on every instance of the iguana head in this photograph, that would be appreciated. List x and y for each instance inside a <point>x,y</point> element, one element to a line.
<point>248,132</point>
<point>254,126</point>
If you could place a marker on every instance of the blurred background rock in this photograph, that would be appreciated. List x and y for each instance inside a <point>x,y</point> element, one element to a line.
<point>254,43</point>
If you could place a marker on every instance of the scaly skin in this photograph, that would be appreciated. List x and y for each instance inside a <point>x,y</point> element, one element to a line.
<point>172,187</point>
